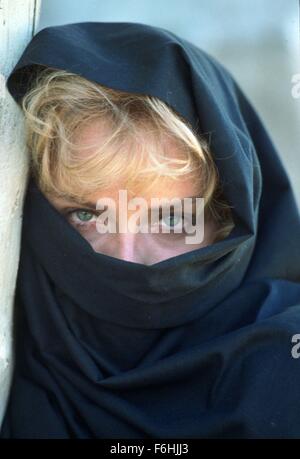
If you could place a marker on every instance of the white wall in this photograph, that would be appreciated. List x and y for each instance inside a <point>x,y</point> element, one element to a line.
<point>17,25</point>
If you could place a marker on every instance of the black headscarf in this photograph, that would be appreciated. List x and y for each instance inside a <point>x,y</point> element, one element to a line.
<point>198,345</point>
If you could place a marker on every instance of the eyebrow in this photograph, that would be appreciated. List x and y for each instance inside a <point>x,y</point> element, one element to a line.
<point>92,205</point>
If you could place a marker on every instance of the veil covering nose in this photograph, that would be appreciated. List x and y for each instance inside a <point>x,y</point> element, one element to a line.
<point>195,346</point>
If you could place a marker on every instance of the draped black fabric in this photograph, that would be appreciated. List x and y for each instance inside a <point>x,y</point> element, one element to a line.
<point>195,346</point>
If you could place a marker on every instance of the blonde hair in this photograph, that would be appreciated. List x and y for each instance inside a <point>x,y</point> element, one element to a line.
<point>60,103</point>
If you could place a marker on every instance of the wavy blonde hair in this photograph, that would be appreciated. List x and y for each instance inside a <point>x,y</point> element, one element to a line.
<point>57,106</point>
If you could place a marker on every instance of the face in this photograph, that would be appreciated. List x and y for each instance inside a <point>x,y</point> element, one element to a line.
<point>155,243</point>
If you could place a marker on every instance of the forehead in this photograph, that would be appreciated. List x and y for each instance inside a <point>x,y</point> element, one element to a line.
<point>165,187</point>
<point>88,137</point>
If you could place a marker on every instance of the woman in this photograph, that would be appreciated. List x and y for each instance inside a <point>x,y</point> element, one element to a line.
<point>84,136</point>
<point>138,334</point>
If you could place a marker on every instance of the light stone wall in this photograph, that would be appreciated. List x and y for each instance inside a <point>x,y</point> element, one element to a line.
<point>18,19</point>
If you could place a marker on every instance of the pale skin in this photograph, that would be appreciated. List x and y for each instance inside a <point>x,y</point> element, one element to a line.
<point>144,248</point>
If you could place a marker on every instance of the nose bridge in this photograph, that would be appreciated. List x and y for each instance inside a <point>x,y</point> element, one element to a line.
<point>127,246</point>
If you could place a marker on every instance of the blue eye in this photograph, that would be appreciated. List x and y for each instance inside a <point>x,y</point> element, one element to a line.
<point>172,220</point>
<point>81,217</point>
<point>84,215</point>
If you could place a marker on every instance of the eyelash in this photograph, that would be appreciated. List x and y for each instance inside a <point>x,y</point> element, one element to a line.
<point>69,213</point>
